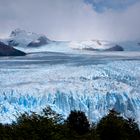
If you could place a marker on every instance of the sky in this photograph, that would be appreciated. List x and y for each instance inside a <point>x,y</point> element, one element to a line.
<point>116,20</point>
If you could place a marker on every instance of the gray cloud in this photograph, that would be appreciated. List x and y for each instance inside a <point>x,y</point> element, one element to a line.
<point>69,20</point>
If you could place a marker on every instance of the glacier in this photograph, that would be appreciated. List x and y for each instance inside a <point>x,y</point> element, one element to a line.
<point>90,82</point>
<point>66,76</point>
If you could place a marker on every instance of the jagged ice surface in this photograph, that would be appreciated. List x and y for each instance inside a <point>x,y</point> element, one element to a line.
<point>93,89</point>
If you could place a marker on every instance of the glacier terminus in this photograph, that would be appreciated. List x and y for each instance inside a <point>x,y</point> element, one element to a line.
<point>93,84</point>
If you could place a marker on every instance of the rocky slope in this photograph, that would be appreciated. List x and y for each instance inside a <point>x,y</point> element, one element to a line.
<point>6,50</point>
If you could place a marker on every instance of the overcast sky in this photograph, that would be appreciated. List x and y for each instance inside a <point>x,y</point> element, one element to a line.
<point>73,19</point>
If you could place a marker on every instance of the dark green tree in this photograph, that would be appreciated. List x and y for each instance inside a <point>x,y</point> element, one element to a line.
<point>45,126</point>
<point>78,122</point>
<point>115,127</point>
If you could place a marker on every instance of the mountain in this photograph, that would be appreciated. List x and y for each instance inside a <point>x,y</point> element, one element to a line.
<point>21,38</point>
<point>6,50</point>
<point>42,40</point>
<point>31,42</point>
<point>130,45</point>
<point>115,48</point>
<point>96,45</point>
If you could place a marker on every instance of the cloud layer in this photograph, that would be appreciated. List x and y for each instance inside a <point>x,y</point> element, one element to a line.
<point>71,19</point>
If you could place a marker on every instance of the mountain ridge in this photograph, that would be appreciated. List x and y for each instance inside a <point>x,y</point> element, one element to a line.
<point>6,50</point>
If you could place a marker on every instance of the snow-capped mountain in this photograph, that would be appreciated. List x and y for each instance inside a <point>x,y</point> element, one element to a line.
<point>32,42</point>
<point>21,38</point>
<point>95,45</point>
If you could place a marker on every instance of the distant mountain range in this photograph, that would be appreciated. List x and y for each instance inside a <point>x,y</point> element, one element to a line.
<point>23,40</point>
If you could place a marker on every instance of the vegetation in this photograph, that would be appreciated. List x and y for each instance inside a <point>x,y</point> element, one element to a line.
<point>115,127</point>
<point>51,126</point>
<point>78,122</point>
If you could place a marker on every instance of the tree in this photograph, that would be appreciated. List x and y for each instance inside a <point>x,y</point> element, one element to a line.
<point>115,127</point>
<point>39,126</point>
<point>78,122</point>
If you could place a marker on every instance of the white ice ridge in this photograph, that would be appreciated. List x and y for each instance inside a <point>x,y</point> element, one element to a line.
<point>94,44</point>
<point>93,89</point>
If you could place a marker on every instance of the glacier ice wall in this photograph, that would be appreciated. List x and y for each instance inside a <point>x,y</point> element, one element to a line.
<point>93,89</point>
